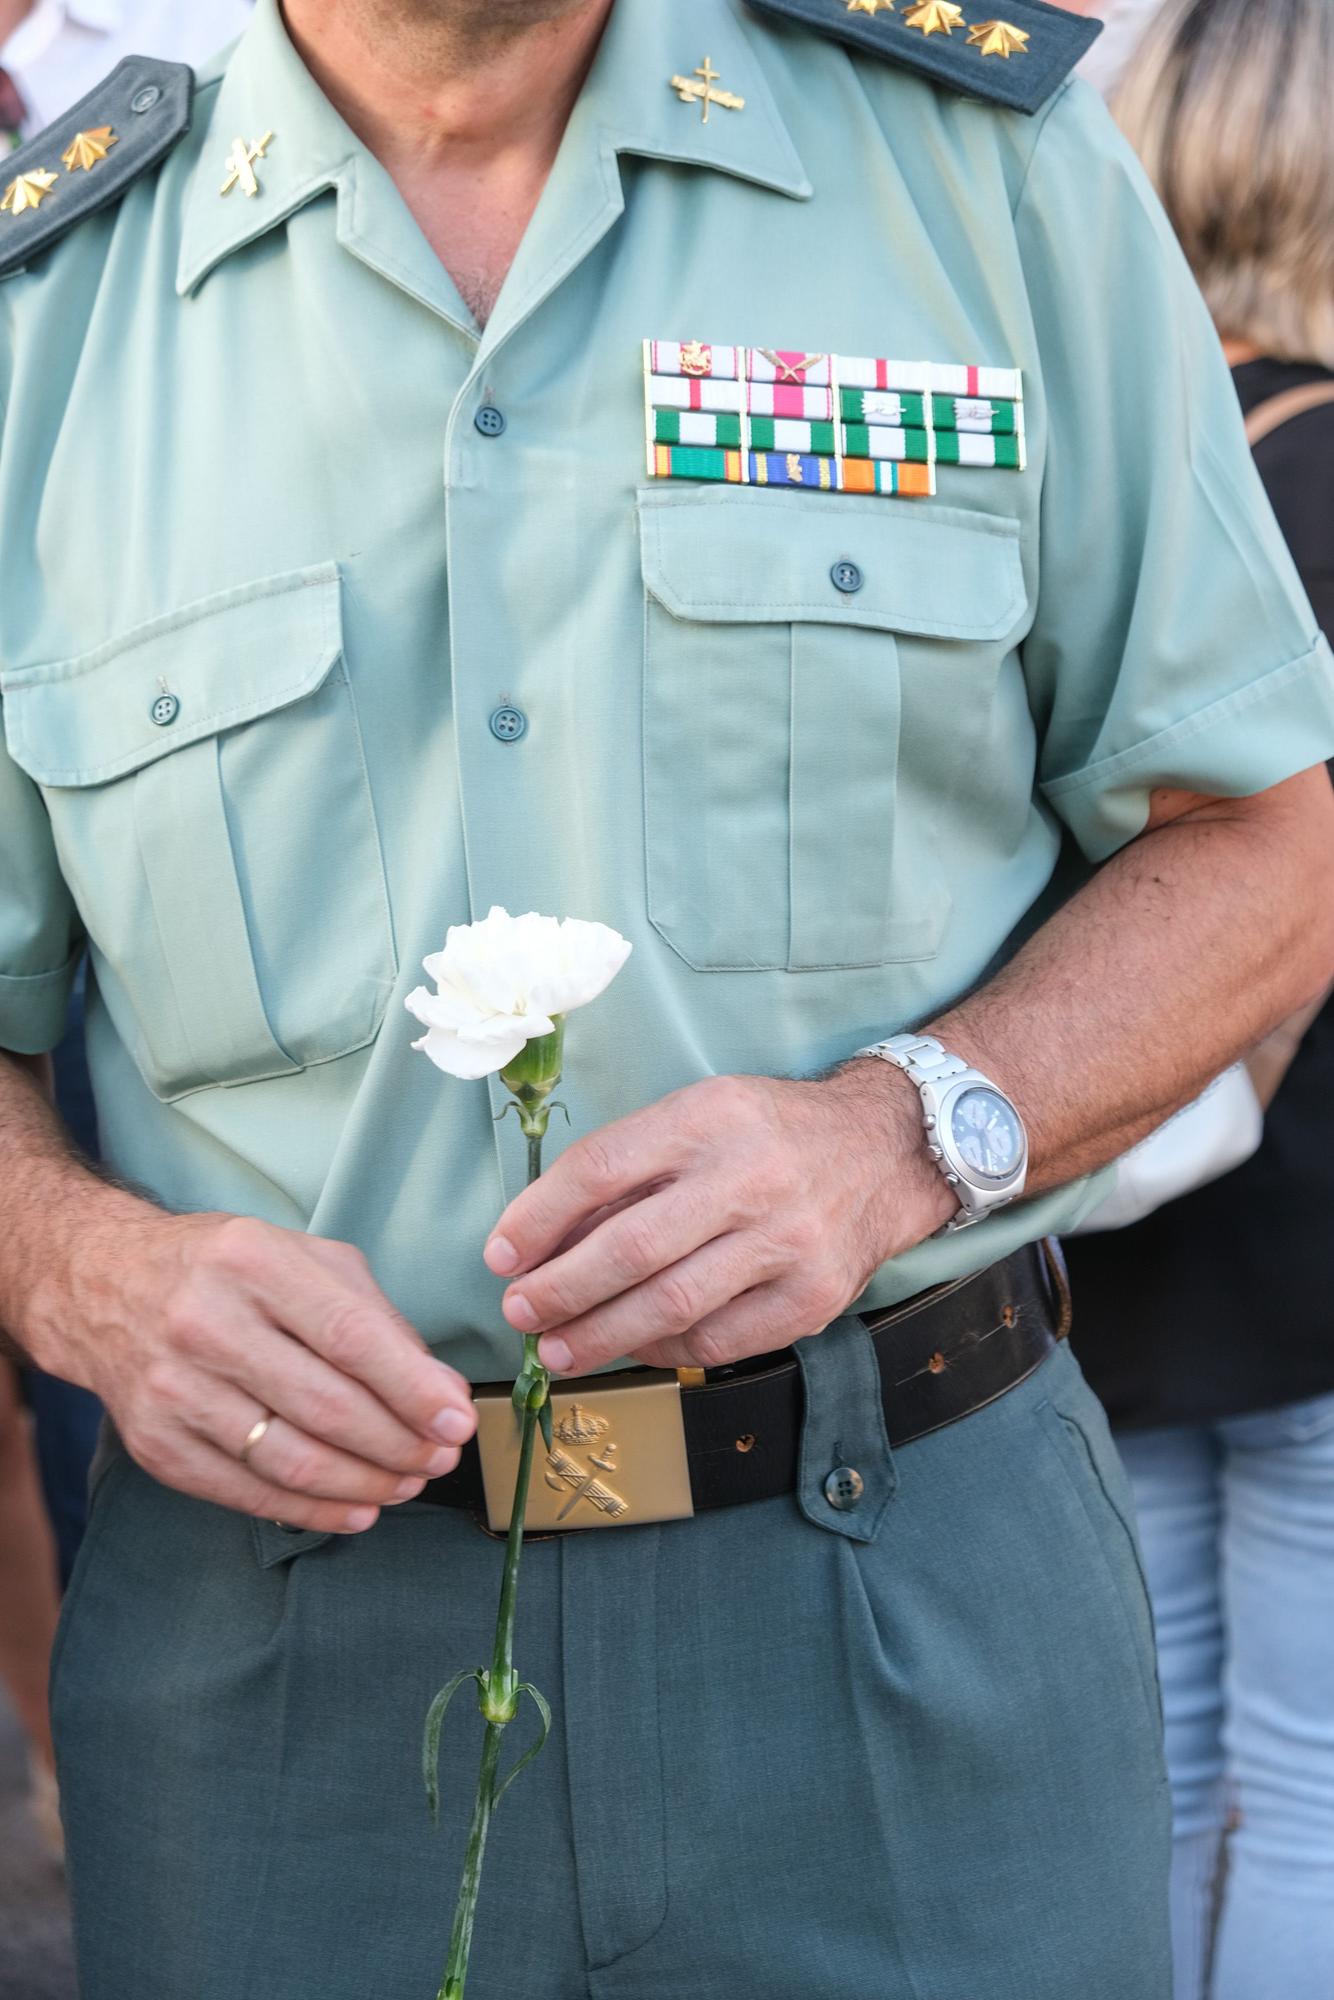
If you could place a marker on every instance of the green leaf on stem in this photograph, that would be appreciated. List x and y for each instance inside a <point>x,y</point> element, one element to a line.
<point>544,1710</point>
<point>544,1422</point>
<point>435,1716</point>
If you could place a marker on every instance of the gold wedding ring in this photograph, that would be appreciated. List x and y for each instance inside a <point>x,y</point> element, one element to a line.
<point>253,1436</point>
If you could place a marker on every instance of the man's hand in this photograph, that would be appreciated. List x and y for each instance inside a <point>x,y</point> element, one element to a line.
<point>734,1217</point>
<point>193,1328</point>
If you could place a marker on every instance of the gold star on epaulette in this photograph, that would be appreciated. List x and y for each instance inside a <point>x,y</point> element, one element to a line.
<point>85,149</point>
<point>998,38</point>
<point>870,6</point>
<point>935,17</point>
<point>27,191</point>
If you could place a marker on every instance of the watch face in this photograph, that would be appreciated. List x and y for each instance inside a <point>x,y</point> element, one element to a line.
<point>986,1133</point>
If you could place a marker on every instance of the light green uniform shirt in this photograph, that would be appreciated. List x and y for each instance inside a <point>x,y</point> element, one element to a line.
<point>240,474</point>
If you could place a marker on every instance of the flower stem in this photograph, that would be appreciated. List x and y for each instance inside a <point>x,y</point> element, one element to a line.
<point>502,1659</point>
<point>499,1688</point>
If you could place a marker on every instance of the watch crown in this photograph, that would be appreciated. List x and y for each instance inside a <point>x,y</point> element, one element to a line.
<point>934,1153</point>
<point>953,1179</point>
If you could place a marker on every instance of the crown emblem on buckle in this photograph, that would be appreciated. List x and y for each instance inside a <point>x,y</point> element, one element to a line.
<point>581,1426</point>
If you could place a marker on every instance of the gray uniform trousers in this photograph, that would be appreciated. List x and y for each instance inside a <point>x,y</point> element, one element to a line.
<point>910,1753</point>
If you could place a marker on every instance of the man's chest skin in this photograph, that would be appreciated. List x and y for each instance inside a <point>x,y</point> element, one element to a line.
<point>474,223</point>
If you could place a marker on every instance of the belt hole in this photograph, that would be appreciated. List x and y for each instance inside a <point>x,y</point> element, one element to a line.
<point>746,1443</point>
<point>1009,1315</point>
<point>937,1364</point>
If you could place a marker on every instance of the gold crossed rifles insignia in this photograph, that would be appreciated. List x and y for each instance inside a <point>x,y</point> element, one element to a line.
<point>791,370</point>
<point>701,91</point>
<point>240,164</point>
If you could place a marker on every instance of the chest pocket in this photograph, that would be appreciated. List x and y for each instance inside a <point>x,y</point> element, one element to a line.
<point>800,752</point>
<point>208,795</point>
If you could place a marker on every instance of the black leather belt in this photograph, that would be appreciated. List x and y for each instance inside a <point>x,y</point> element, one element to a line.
<point>942,1355</point>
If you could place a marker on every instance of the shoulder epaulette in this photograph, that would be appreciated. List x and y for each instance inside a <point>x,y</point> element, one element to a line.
<point>1017,61</point>
<point>90,155</point>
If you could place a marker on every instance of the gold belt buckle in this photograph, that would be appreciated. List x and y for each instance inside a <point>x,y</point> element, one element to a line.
<point>617,1459</point>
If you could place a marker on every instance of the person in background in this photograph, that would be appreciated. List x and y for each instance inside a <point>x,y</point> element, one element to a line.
<point>53,51</point>
<point>1124,22</point>
<point>1208,1328</point>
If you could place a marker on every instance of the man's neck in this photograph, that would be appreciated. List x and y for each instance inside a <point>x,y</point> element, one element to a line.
<point>467,118</point>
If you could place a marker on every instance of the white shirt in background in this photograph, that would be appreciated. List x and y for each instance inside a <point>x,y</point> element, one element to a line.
<point>1125,21</point>
<point>65,47</point>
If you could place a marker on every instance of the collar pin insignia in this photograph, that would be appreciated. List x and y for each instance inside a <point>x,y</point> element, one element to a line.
<point>870,6</point>
<point>241,164</point>
<point>27,191</point>
<point>702,92</point>
<point>85,149</point>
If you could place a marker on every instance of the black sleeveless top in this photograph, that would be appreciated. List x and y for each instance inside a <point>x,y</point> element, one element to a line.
<point>1223,1302</point>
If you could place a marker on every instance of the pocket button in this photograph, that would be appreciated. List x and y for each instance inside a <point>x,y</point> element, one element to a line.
<point>846,577</point>
<point>164,710</point>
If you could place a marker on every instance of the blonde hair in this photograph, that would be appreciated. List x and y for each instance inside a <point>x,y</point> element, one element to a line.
<point>1230,106</point>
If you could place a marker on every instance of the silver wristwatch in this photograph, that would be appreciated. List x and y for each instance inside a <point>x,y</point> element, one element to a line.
<point>973,1132</point>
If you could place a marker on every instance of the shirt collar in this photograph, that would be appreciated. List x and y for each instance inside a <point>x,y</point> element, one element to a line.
<point>627,106</point>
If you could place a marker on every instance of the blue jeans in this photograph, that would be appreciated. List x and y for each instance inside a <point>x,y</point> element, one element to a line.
<point>1237,1525</point>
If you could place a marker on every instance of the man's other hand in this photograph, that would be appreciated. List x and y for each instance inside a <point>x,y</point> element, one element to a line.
<point>732,1218</point>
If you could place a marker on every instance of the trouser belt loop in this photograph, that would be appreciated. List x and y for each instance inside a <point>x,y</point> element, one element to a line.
<point>1058,1283</point>
<point>847,1476</point>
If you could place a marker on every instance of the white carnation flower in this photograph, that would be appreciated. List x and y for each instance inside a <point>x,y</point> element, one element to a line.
<point>504,981</point>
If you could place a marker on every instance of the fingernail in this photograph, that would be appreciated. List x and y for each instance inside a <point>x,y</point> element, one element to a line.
<point>408,1489</point>
<point>454,1426</point>
<point>519,1313</point>
<point>358,1519</point>
<point>501,1256</point>
<point>555,1355</point>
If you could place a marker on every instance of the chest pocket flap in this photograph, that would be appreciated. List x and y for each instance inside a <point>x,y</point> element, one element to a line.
<point>804,658</point>
<point>733,558</point>
<point>200,771</point>
<point>211,666</point>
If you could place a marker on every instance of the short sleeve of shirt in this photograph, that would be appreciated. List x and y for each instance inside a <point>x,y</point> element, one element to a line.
<point>40,936</point>
<point>1173,644</point>
<point>40,933</point>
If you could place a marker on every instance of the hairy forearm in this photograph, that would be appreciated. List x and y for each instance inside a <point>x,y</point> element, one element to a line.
<point>54,1200</point>
<point>1180,955</point>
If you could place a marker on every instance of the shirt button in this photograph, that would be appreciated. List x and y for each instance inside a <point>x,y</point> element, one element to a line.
<point>164,710</point>
<point>490,421</point>
<point>846,577</point>
<point>144,100</point>
<point>844,1488</point>
<point>508,724</point>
